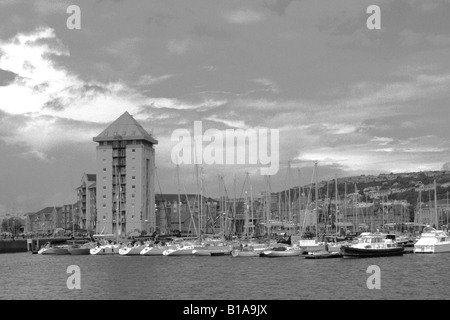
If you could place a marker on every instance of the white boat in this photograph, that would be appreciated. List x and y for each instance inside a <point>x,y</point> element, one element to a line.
<point>154,250</point>
<point>432,241</point>
<point>311,245</point>
<point>285,251</point>
<point>47,250</point>
<point>213,250</point>
<point>182,250</point>
<point>132,250</point>
<point>106,249</point>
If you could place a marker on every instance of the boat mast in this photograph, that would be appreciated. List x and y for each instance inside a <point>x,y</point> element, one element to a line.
<point>344,217</point>
<point>435,205</point>
<point>336,205</point>
<point>299,199</point>
<point>317,202</point>
<point>179,198</point>
<point>289,190</point>
<point>251,208</point>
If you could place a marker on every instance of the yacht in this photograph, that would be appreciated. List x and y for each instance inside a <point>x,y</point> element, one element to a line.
<point>432,241</point>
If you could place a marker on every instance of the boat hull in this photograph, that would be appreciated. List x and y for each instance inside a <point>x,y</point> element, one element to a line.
<point>434,248</point>
<point>61,251</point>
<point>79,251</point>
<point>237,253</point>
<point>349,252</point>
<point>324,255</point>
<point>287,253</point>
<point>134,251</point>
<point>47,251</point>
<point>153,251</point>
<point>108,250</point>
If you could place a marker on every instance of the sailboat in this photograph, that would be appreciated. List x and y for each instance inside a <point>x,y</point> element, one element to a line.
<point>306,244</point>
<point>105,243</point>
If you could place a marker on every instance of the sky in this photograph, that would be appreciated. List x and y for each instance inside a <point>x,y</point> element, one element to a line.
<point>356,100</point>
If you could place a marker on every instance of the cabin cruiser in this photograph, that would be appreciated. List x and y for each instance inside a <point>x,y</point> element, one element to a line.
<point>373,245</point>
<point>432,241</point>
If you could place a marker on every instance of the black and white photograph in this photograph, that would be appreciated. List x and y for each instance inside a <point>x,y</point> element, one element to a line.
<point>224,154</point>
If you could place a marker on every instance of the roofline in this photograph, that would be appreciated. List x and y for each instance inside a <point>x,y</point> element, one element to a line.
<point>127,138</point>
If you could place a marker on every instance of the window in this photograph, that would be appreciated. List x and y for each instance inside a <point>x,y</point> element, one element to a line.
<point>133,178</point>
<point>104,217</point>
<point>133,158</point>
<point>132,195</point>
<point>104,196</point>
<point>104,169</point>
<point>133,150</point>
<point>104,205</point>
<point>133,186</point>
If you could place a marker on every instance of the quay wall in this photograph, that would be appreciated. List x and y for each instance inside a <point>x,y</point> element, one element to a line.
<point>21,245</point>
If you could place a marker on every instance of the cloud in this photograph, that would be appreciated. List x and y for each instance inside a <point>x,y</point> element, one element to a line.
<point>244,16</point>
<point>147,79</point>
<point>6,77</point>
<point>179,47</point>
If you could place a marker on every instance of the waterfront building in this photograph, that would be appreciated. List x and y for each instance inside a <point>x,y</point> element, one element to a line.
<point>125,198</point>
<point>44,221</point>
<point>84,202</point>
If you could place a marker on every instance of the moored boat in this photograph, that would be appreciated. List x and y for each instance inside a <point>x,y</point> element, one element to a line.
<point>156,250</point>
<point>132,250</point>
<point>323,255</point>
<point>373,245</point>
<point>287,251</point>
<point>107,249</point>
<point>432,241</point>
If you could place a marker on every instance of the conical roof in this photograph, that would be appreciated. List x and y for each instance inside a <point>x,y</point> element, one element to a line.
<point>125,128</point>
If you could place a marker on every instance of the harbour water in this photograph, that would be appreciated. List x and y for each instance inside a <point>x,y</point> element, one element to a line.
<point>27,276</point>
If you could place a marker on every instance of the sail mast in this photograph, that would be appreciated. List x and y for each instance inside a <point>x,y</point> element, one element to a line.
<point>317,202</point>
<point>435,205</point>
<point>179,198</point>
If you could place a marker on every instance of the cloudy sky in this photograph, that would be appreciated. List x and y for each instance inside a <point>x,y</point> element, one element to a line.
<point>359,101</point>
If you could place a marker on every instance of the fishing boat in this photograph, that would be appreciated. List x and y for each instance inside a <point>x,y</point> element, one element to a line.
<point>373,245</point>
<point>284,251</point>
<point>432,241</point>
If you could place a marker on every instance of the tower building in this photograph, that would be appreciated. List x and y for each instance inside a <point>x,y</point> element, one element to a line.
<point>125,196</point>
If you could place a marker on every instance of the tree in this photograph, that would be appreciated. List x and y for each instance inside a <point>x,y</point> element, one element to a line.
<point>12,225</point>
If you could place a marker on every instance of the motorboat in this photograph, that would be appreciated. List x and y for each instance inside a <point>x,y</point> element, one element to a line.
<point>373,245</point>
<point>432,241</point>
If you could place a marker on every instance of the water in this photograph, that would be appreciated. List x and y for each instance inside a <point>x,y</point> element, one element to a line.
<point>27,276</point>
